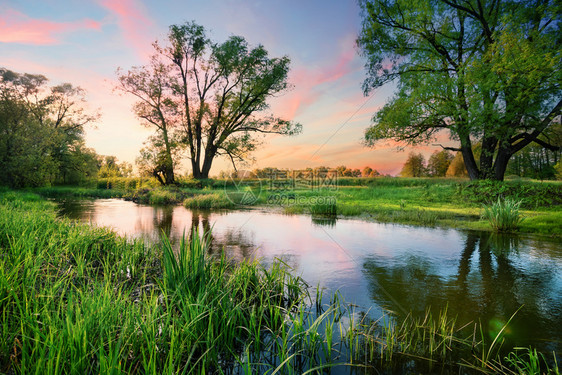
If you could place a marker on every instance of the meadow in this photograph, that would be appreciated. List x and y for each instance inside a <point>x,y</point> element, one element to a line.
<point>80,299</point>
<point>446,202</point>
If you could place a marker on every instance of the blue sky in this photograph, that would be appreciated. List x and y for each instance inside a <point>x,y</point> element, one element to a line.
<point>84,42</point>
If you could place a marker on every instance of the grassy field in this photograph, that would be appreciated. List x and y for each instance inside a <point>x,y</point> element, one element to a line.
<point>438,202</point>
<point>417,201</point>
<point>78,299</point>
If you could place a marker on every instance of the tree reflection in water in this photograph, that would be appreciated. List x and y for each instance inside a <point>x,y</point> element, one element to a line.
<point>234,242</point>
<point>489,286</point>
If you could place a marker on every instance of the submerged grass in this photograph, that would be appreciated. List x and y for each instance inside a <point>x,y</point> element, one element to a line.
<point>79,299</point>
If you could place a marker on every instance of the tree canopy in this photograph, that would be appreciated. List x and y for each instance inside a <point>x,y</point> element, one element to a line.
<point>41,132</point>
<point>486,71</point>
<point>214,95</point>
<point>414,166</point>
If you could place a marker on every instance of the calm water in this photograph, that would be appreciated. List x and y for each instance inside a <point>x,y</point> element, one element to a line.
<point>378,267</point>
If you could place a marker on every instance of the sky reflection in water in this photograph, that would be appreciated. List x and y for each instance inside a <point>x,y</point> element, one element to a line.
<point>376,266</point>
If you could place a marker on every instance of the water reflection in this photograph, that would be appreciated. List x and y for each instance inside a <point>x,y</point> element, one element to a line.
<point>479,276</point>
<point>492,281</point>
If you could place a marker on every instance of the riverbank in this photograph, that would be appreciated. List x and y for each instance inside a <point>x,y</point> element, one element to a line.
<point>75,298</point>
<point>449,203</point>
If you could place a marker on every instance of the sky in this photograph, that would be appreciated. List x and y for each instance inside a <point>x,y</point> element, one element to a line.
<point>84,42</point>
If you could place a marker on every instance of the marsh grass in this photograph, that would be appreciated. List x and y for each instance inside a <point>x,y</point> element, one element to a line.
<point>208,200</point>
<point>79,299</point>
<point>324,208</point>
<point>503,215</point>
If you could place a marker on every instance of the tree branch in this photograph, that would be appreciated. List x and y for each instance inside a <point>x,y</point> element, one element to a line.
<point>458,149</point>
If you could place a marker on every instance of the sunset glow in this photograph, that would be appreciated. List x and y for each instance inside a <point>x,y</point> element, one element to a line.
<point>84,43</point>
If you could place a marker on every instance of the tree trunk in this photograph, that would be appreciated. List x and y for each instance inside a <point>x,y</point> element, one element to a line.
<point>196,170</point>
<point>500,164</point>
<point>487,158</point>
<point>469,162</point>
<point>157,175</point>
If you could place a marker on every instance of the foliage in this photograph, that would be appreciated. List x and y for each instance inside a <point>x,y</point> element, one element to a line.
<point>530,194</point>
<point>159,158</point>
<point>558,169</point>
<point>503,215</point>
<point>439,163</point>
<point>536,161</point>
<point>110,168</point>
<point>414,166</point>
<point>42,134</point>
<point>212,94</point>
<point>488,73</point>
<point>456,167</point>
<point>126,183</point>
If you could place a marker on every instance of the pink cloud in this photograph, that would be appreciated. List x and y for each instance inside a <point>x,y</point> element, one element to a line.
<point>131,18</point>
<point>307,81</point>
<point>16,27</point>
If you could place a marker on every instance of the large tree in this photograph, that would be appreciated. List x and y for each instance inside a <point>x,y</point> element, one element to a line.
<point>214,94</point>
<point>487,71</point>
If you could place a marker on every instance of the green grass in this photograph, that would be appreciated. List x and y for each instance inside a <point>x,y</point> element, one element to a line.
<point>503,215</point>
<point>80,299</point>
<point>77,192</point>
<point>208,200</point>
<point>417,201</point>
<point>435,202</point>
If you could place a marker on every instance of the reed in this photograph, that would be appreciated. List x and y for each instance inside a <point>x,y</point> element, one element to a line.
<point>324,208</point>
<point>79,299</point>
<point>503,215</point>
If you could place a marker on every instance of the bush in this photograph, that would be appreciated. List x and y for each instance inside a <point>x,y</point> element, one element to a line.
<point>126,183</point>
<point>530,194</point>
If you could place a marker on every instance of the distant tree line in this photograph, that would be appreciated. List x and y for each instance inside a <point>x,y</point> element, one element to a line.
<point>42,134</point>
<point>533,161</point>
<point>342,171</point>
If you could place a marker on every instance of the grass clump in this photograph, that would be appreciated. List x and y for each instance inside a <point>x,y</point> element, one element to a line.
<point>503,215</point>
<point>212,200</point>
<point>324,208</point>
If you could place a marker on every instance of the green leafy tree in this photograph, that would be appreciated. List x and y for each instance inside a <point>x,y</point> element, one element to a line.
<point>558,170</point>
<point>157,108</point>
<point>456,167</point>
<point>41,131</point>
<point>214,94</point>
<point>109,167</point>
<point>414,166</point>
<point>438,163</point>
<point>536,161</point>
<point>487,72</point>
<point>154,158</point>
